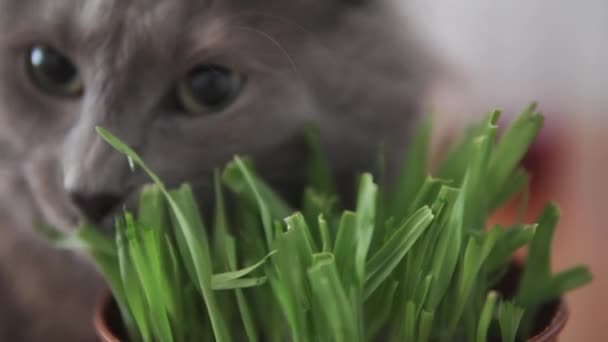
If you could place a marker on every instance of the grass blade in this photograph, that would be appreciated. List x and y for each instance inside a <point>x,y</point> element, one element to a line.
<point>486,317</point>
<point>234,275</point>
<point>380,266</point>
<point>509,317</point>
<point>364,224</point>
<point>186,215</point>
<point>474,257</point>
<point>239,177</point>
<point>413,171</point>
<point>332,301</point>
<point>511,149</point>
<point>244,310</point>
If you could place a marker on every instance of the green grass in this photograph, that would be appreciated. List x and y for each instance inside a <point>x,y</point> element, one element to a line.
<point>413,262</point>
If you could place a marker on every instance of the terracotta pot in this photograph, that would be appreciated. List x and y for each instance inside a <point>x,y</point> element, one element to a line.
<point>556,324</point>
<point>107,321</point>
<point>549,322</point>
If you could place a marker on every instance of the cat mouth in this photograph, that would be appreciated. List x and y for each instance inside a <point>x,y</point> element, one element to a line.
<point>115,207</point>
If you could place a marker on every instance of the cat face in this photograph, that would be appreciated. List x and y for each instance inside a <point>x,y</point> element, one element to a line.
<point>189,84</point>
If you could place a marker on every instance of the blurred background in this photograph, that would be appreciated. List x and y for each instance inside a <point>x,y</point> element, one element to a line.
<point>505,54</point>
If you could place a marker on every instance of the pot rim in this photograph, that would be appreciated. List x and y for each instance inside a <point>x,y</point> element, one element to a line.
<point>557,324</point>
<point>100,321</point>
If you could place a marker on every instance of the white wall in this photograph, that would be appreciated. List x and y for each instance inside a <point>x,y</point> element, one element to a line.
<point>506,53</point>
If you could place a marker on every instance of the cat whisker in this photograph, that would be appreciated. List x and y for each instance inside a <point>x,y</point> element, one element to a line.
<point>274,42</point>
<point>287,22</point>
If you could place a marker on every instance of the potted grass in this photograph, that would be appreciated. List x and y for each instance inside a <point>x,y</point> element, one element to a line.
<point>411,262</point>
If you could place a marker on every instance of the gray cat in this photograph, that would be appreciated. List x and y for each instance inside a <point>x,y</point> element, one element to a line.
<point>188,84</point>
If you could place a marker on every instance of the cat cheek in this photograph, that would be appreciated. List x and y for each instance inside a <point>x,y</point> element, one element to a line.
<point>16,204</point>
<point>42,176</point>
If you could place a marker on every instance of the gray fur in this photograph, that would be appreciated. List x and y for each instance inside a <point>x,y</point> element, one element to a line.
<point>347,65</point>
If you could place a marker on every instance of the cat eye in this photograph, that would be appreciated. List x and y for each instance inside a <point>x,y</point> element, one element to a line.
<point>208,88</point>
<point>53,73</point>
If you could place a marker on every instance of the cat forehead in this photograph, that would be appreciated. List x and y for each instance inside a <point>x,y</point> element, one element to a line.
<point>89,18</point>
<point>89,12</point>
<point>92,21</point>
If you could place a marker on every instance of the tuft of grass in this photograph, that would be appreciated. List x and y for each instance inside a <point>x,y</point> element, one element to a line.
<point>410,263</point>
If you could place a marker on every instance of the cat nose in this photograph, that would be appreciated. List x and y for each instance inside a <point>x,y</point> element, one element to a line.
<point>95,207</point>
